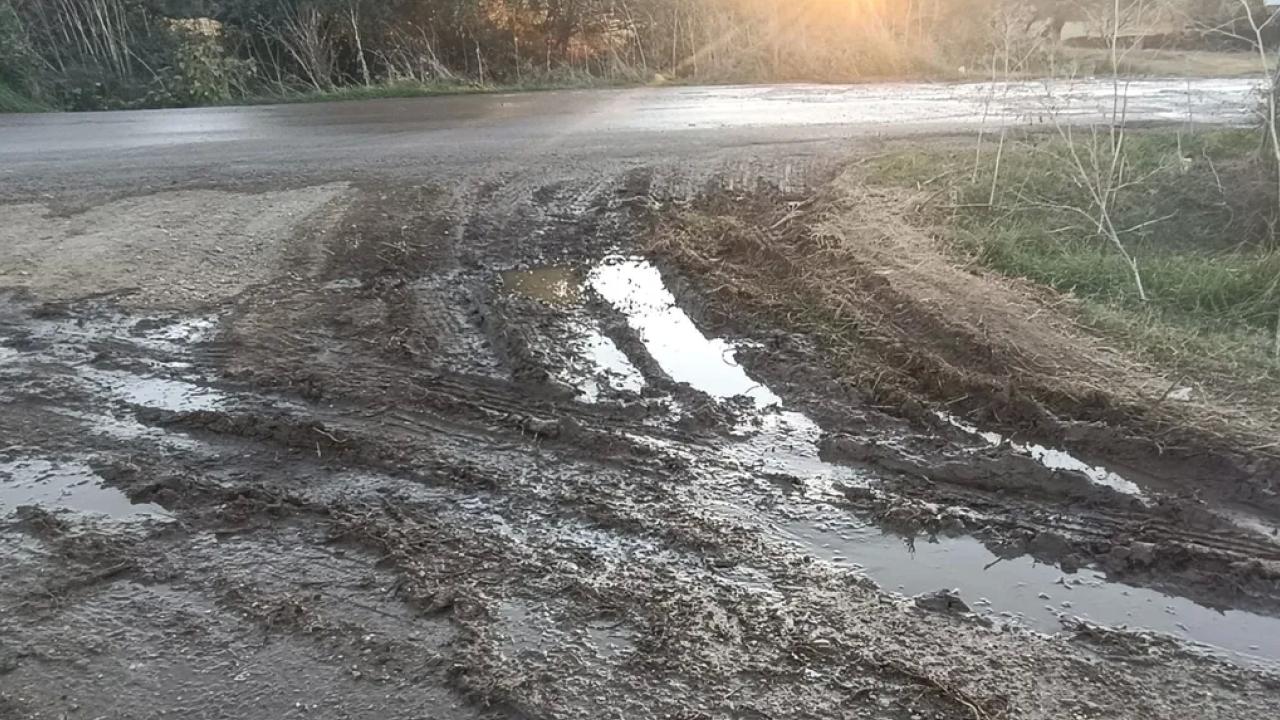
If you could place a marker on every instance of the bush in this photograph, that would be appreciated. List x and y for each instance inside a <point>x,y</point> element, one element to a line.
<point>19,64</point>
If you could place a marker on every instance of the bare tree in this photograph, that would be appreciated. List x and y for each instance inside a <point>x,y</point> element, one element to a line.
<point>305,33</point>
<point>353,14</point>
<point>1259,18</point>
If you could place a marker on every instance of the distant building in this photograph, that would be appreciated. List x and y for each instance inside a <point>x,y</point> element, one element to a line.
<point>1140,23</point>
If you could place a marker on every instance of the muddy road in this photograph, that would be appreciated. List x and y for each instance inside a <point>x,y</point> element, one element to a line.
<point>381,410</point>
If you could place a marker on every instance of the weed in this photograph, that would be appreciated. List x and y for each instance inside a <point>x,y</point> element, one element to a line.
<point>12,101</point>
<point>1197,213</point>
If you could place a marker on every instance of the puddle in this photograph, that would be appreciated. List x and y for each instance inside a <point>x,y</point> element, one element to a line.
<point>128,429</point>
<point>526,628</point>
<point>1251,520</point>
<point>611,365</point>
<point>1062,460</point>
<point>558,286</point>
<point>65,486</point>
<point>177,334</point>
<point>154,392</point>
<point>159,335</point>
<point>1051,458</point>
<point>635,288</point>
<point>596,364</point>
<point>1035,594</point>
<point>786,443</point>
<point>774,441</point>
<point>610,639</point>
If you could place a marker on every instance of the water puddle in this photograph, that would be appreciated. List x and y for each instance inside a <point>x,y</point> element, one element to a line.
<point>173,336</point>
<point>610,639</point>
<point>1051,458</point>
<point>781,443</point>
<point>128,429</point>
<point>1063,460</point>
<point>153,392</point>
<point>536,628</point>
<point>1251,520</point>
<point>773,442</point>
<point>1034,594</point>
<point>597,364</point>
<point>635,288</point>
<point>556,286</point>
<point>65,486</point>
<point>594,363</point>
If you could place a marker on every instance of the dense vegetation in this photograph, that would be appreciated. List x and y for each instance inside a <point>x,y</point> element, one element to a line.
<point>91,54</point>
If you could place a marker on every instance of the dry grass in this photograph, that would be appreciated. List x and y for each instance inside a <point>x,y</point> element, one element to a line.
<point>1206,252</point>
<point>1163,63</point>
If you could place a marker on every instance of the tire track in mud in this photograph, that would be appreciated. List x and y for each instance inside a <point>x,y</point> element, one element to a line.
<point>395,451</point>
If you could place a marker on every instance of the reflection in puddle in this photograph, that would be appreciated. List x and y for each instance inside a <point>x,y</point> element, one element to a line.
<point>65,486</point>
<point>598,364</point>
<point>775,442</point>
<point>613,364</point>
<point>154,392</point>
<point>181,332</point>
<point>1034,593</point>
<point>784,443</point>
<point>635,288</point>
<point>558,286</point>
<point>1050,458</point>
<point>1062,460</point>
<point>128,429</point>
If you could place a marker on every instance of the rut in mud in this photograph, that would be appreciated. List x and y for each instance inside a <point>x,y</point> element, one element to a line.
<point>468,454</point>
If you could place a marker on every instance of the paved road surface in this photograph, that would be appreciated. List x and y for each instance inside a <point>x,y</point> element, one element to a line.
<point>139,150</point>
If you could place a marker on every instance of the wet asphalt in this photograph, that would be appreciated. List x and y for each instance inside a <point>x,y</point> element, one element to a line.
<point>403,139</point>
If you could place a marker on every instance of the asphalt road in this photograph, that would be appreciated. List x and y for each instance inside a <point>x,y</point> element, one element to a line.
<point>137,151</point>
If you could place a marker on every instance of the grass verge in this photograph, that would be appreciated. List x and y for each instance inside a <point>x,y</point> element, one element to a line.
<point>11,101</point>
<point>413,89</point>
<point>1195,210</point>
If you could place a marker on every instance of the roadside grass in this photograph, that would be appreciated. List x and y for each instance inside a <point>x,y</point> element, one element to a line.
<point>359,92</point>
<point>1197,212</point>
<point>11,101</point>
<point>1152,62</point>
<point>416,89</point>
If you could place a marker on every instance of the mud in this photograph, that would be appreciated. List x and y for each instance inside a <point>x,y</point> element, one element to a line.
<point>465,452</point>
<point>172,250</point>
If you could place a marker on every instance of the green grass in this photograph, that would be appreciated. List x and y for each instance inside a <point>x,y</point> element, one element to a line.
<point>410,89</point>
<point>1201,206</point>
<point>12,101</point>
<point>360,92</point>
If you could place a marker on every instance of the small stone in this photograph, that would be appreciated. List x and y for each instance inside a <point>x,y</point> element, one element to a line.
<point>947,601</point>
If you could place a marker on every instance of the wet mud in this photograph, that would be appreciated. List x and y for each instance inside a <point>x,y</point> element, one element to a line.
<point>469,453</point>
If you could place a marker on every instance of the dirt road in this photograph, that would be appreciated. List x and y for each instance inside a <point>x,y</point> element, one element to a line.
<point>378,410</point>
